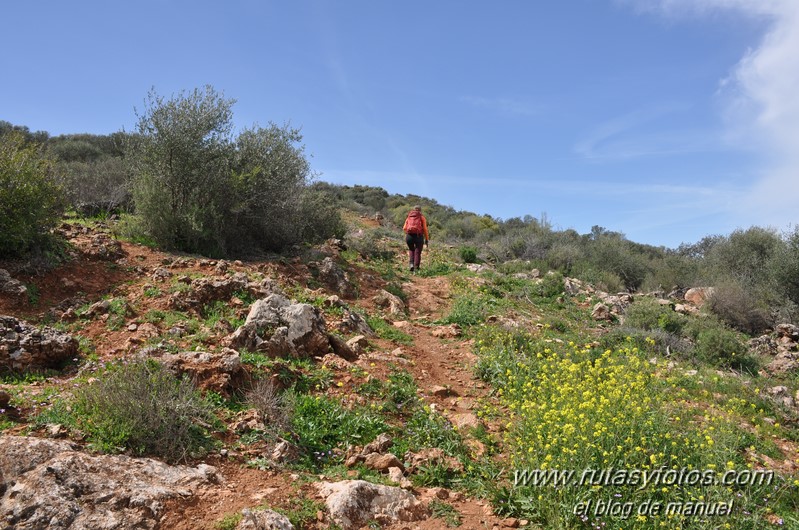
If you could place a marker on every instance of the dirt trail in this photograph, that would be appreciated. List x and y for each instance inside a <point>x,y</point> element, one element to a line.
<point>445,361</point>
<point>434,362</point>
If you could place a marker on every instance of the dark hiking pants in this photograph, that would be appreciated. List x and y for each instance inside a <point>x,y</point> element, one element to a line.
<point>415,243</point>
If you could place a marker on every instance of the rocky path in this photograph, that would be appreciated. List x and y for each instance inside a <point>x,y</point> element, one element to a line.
<point>442,365</point>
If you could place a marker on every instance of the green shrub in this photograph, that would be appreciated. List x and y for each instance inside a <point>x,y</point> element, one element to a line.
<point>141,407</point>
<point>648,314</point>
<point>723,348</point>
<point>31,203</point>
<point>97,186</point>
<point>615,255</point>
<point>550,286</point>
<point>468,254</point>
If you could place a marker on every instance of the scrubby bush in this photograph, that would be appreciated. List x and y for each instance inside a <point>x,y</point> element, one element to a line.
<point>740,309</point>
<point>743,256</point>
<point>197,188</point>
<point>272,409</point>
<point>468,254</point>
<point>550,286</point>
<point>143,408</point>
<point>724,349</point>
<point>615,255</point>
<point>97,186</point>
<point>563,256</point>
<point>31,203</point>
<point>648,314</point>
<point>716,344</point>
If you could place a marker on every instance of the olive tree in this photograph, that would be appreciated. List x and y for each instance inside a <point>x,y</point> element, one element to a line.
<point>180,161</point>
<point>199,188</point>
<point>270,172</point>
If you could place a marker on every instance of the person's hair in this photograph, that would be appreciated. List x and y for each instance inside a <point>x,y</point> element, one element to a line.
<point>417,207</point>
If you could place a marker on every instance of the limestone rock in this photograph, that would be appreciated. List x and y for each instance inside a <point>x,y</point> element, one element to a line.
<point>335,361</point>
<point>204,291</point>
<point>104,247</point>
<point>785,362</point>
<point>382,462</point>
<point>442,391</point>
<point>263,520</point>
<point>781,395</point>
<point>97,309</point>
<point>49,484</point>
<point>221,372</point>
<point>396,475</point>
<point>601,312</point>
<point>698,295</point>
<point>686,309</point>
<point>430,457</point>
<point>392,303</point>
<point>379,444</point>
<point>477,267</point>
<point>25,347</point>
<point>334,277</point>
<point>355,323</point>
<point>358,344</point>
<point>279,328</point>
<point>11,287</point>
<point>574,287</point>
<point>353,503</point>
<point>787,331</point>
<point>161,274</point>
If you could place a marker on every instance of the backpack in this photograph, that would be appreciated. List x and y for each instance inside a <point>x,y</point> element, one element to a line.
<point>414,223</point>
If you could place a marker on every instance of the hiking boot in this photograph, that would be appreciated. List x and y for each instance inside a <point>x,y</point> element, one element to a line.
<point>412,268</point>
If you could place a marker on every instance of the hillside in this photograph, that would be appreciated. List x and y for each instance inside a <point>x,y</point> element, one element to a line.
<point>445,384</point>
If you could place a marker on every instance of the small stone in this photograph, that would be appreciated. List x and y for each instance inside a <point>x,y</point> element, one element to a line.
<point>442,391</point>
<point>382,463</point>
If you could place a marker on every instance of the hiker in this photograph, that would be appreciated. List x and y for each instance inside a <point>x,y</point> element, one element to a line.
<point>417,235</point>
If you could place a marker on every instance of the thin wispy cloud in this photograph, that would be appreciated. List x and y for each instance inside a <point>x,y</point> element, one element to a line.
<point>624,137</point>
<point>760,98</point>
<point>504,106</point>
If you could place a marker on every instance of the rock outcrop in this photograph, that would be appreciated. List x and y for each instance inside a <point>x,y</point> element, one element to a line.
<point>698,295</point>
<point>49,484</point>
<point>203,291</point>
<point>263,520</point>
<point>783,345</point>
<point>353,503</point>
<point>12,288</point>
<point>392,303</point>
<point>329,273</point>
<point>27,347</point>
<point>280,328</point>
<point>221,372</point>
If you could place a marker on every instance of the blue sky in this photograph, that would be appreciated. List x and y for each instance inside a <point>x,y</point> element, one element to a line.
<point>666,120</point>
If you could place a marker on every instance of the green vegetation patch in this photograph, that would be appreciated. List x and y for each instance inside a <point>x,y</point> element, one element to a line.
<point>143,408</point>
